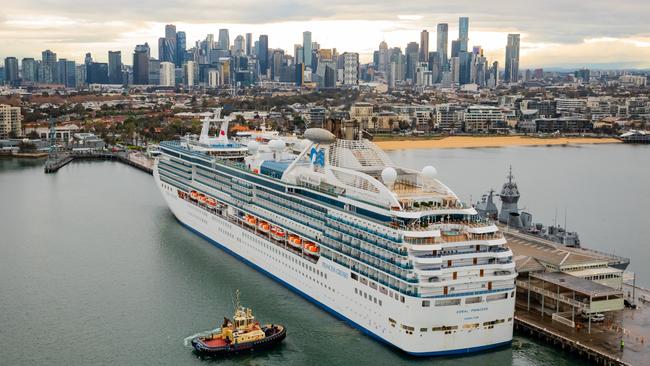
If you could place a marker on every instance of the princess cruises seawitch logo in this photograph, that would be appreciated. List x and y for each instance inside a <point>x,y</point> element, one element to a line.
<point>317,156</point>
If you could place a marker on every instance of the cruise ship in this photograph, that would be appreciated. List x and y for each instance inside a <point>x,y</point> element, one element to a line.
<point>390,250</point>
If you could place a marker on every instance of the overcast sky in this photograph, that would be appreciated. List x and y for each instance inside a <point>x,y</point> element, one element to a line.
<point>555,33</point>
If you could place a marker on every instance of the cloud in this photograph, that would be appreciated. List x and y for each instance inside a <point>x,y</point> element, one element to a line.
<point>28,26</point>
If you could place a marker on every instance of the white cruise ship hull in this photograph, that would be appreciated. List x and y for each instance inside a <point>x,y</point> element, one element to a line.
<point>406,325</point>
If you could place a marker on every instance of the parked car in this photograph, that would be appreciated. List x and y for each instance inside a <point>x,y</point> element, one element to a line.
<point>595,317</point>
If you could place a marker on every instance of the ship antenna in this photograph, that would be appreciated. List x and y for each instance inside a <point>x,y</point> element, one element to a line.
<point>510,175</point>
<point>237,299</point>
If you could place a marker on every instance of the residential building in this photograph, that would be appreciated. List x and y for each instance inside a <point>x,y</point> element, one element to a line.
<point>350,68</point>
<point>167,75</point>
<point>10,121</point>
<point>481,118</point>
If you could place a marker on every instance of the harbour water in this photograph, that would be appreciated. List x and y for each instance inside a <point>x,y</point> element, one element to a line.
<point>94,269</point>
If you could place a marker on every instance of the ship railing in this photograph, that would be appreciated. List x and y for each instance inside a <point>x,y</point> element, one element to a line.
<point>368,252</point>
<point>398,275</point>
<point>365,228</point>
<point>398,251</point>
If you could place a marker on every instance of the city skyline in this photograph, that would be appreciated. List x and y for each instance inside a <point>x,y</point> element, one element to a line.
<point>547,39</point>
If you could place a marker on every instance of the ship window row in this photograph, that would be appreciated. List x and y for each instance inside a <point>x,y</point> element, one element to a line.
<point>175,170</point>
<point>285,204</point>
<point>320,198</point>
<point>449,329</point>
<point>253,179</point>
<point>354,234</point>
<point>359,233</point>
<point>383,290</point>
<point>316,225</point>
<point>169,172</point>
<point>363,225</point>
<point>172,163</point>
<point>213,175</point>
<point>368,296</point>
<point>381,277</point>
<point>173,177</point>
<point>372,250</point>
<point>381,266</point>
<point>214,184</point>
<point>294,204</point>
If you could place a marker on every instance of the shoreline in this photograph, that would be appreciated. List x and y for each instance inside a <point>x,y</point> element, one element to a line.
<point>464,142</point>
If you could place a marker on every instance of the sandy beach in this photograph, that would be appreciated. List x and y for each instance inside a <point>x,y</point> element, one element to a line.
<point>488,141</point>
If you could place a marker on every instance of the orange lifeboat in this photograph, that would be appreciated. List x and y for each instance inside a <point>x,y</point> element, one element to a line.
<point>202,198</point>
<point>264,227</point>
<point>211,202</point>
<point>250,220</point>
<point>194,195</point>
<point>294,241</point>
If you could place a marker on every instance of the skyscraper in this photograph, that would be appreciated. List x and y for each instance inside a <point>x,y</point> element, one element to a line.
<point>412,57</point>
<point>239,46</point>
<point>424,45</point>
<point>11,71</point>
<point>181,48</point>
<point>263,53</point>
<point>48,67</point>
<point>306,48</point>
<point>141,65</point>
<point>463,32</point>
<point>30,70</point>
<point>67,73</point>
<point>442,44</point>
<point>167,45</point>
<point>249,44</point>
<point>298,54</point>
<point>511,73</point>
<point>115,67</point>
<point>455,48</point>
<point>224,39</point>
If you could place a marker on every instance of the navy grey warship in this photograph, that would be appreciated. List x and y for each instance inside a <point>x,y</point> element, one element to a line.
<point>511,216</point>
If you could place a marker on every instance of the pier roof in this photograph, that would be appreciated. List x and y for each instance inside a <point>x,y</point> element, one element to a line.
<point>577,284</point>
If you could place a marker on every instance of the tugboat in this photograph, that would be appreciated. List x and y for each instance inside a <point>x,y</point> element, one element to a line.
<point>242,334</point>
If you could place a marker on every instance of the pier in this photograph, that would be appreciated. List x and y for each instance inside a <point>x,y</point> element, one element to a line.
<point>549,303</point>
<point>134,159</point>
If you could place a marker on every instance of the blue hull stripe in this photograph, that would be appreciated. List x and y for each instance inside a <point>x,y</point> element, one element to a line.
<point>339,315</point>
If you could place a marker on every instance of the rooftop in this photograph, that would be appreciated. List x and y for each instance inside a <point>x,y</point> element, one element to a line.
<point>576,284</point>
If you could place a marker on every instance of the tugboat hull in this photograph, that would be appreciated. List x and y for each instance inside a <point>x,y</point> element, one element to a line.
<point>218,347</point>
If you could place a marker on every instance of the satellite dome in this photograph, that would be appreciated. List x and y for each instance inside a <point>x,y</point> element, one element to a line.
<point>388,176</point>
<point>253,146</point>
<point>429,172</point>
<point>319,135</point>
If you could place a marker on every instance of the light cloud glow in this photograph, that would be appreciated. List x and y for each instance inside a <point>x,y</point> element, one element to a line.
<point>555,33</point>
